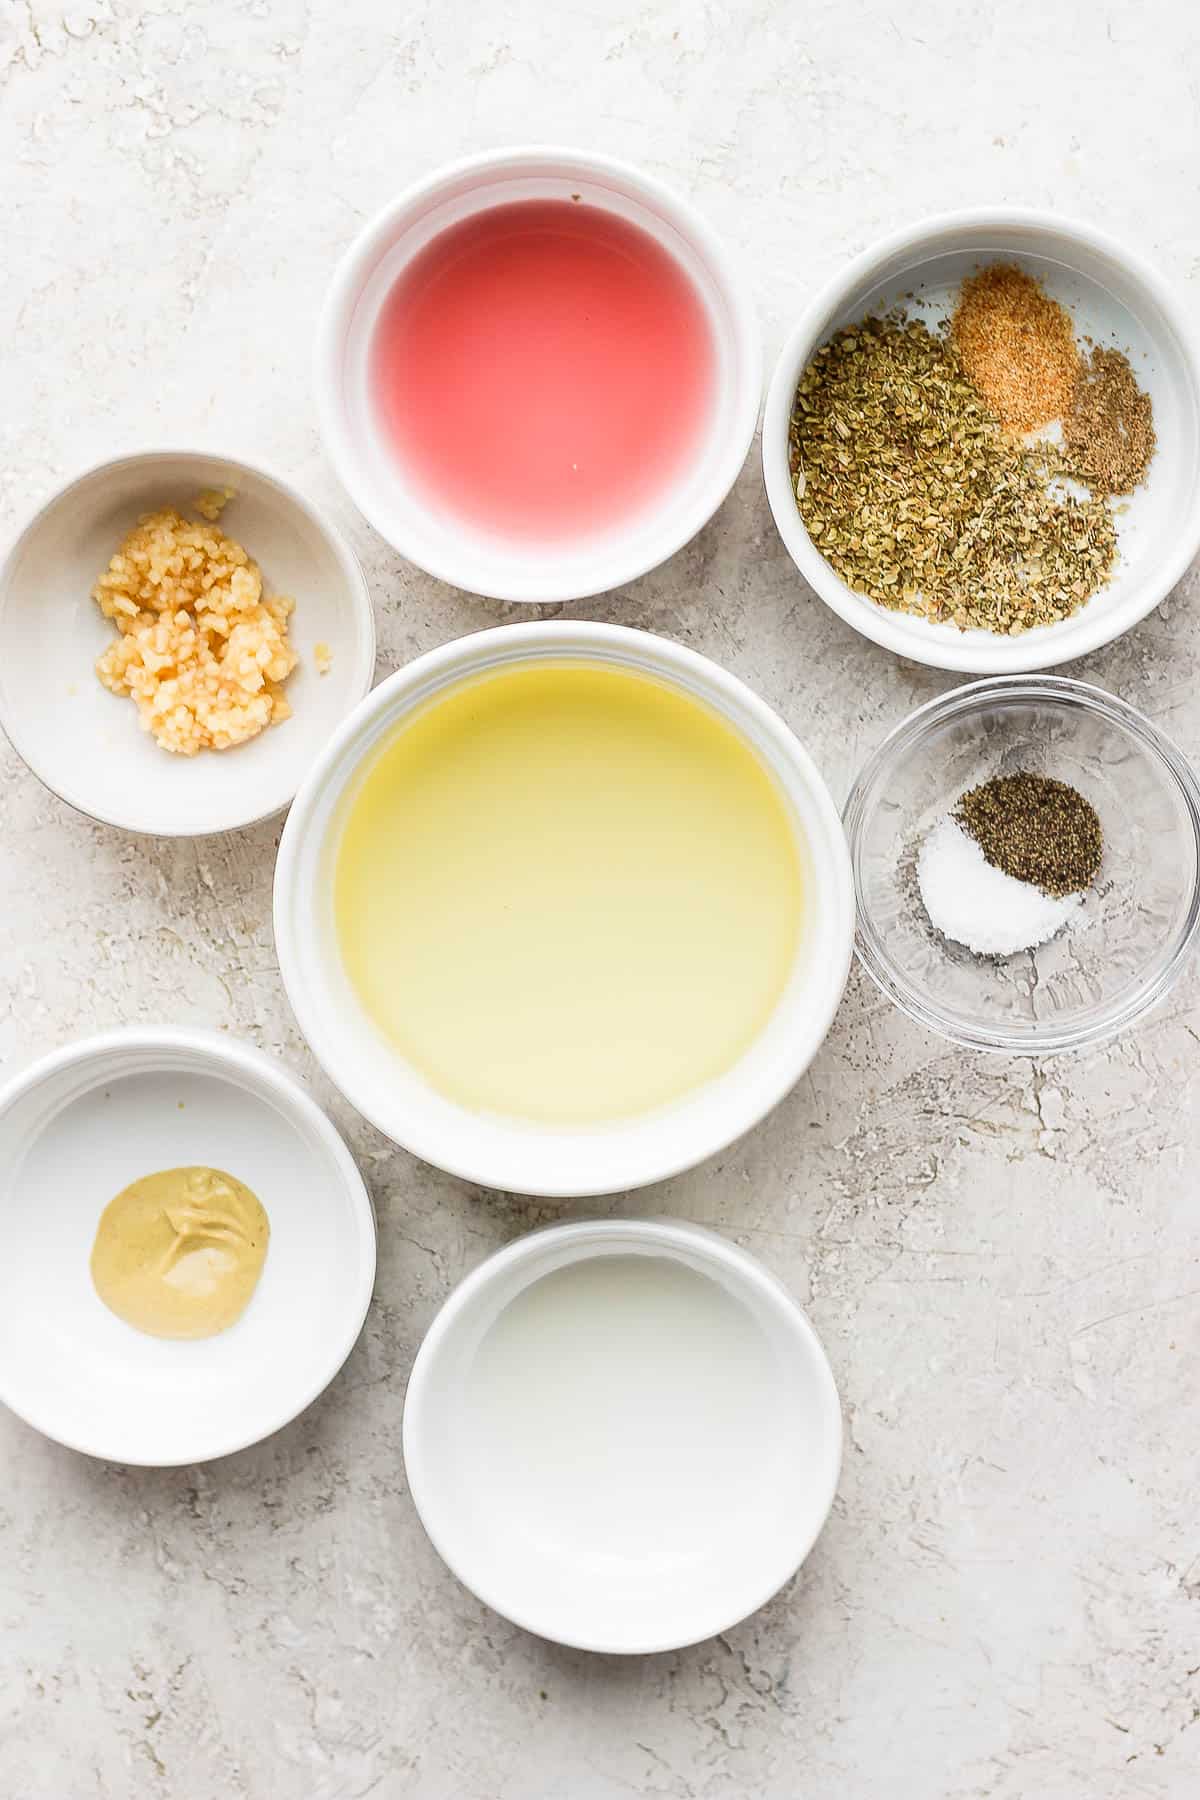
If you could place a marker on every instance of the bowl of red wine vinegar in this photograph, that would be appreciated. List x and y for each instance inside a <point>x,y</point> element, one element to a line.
<point>537,373</point>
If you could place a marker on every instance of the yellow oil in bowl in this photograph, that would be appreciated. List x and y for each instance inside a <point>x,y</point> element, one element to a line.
<point>568,893</point>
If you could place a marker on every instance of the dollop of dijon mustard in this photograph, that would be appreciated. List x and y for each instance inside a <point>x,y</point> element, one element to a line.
<point>178,1254</point>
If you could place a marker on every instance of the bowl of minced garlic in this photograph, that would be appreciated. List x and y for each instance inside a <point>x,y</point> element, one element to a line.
<point>202,649</point>
<point>180,636</point>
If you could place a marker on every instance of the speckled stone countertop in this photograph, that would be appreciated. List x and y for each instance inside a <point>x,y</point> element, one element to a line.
<point>1003,1258</point>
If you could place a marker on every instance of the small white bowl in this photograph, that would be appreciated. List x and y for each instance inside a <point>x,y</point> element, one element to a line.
<point>87,744</point>
<point>515,1154</point>
<point>1114,298</point>
<point>76,1129</point>
<point>445,545</point>
<point>622,1435</point>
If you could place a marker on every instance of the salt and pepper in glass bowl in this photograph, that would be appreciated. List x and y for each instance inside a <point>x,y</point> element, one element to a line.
<point>1120,949</point>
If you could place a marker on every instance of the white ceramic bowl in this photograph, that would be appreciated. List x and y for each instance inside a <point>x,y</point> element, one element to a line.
<point>622,1435</point>
<point>515,1154</point>
<point>1115,298</point>
<point>87,744</point>
<point>444,544</point>
<point>77,1128</point>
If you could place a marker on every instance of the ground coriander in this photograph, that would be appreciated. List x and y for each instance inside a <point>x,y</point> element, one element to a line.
<point>913,492</point>
<point>1109,432</point>
<point>1036,829</point>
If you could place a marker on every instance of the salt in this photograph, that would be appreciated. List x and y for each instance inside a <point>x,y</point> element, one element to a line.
<point>976,904</point>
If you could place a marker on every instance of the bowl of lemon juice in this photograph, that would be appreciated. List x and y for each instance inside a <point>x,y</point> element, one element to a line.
<point>564,908</point>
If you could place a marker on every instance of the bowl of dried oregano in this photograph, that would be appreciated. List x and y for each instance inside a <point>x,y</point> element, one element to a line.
<point>982,442</point>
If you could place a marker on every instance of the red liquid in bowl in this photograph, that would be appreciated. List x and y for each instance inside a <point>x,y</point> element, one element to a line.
<point>543,369</point>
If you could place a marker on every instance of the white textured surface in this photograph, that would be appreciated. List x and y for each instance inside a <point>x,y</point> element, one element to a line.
<point>1002,1258</point>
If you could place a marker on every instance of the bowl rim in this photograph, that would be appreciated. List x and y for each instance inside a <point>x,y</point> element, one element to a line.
<point>458,659</point>
<point>362,617</point>
<point>756,1285</point>
<point>230,1058</point>
<point>904,634</point>
<point>1067,692</point>
<point>616,568</point>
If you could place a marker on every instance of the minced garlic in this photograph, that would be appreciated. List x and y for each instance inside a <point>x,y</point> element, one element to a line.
<point>212,502</point>
<point>202,651</point>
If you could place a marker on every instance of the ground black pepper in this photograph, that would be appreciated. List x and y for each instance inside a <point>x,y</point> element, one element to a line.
<point>1036,829</point>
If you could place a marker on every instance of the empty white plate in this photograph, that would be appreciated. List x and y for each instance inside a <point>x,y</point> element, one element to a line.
<point>622,1435</point>
<point>78,1128</point>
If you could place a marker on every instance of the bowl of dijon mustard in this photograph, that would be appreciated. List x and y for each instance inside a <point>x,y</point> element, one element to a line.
<point>189,1247</point>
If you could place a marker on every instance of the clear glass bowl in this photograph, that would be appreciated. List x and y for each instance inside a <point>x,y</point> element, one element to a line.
<point>1128,942</point>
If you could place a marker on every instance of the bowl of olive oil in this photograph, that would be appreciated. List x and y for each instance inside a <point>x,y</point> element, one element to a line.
<point>564,909</point>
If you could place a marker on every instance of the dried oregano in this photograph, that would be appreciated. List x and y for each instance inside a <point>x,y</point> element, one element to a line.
<point>913,492</point>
